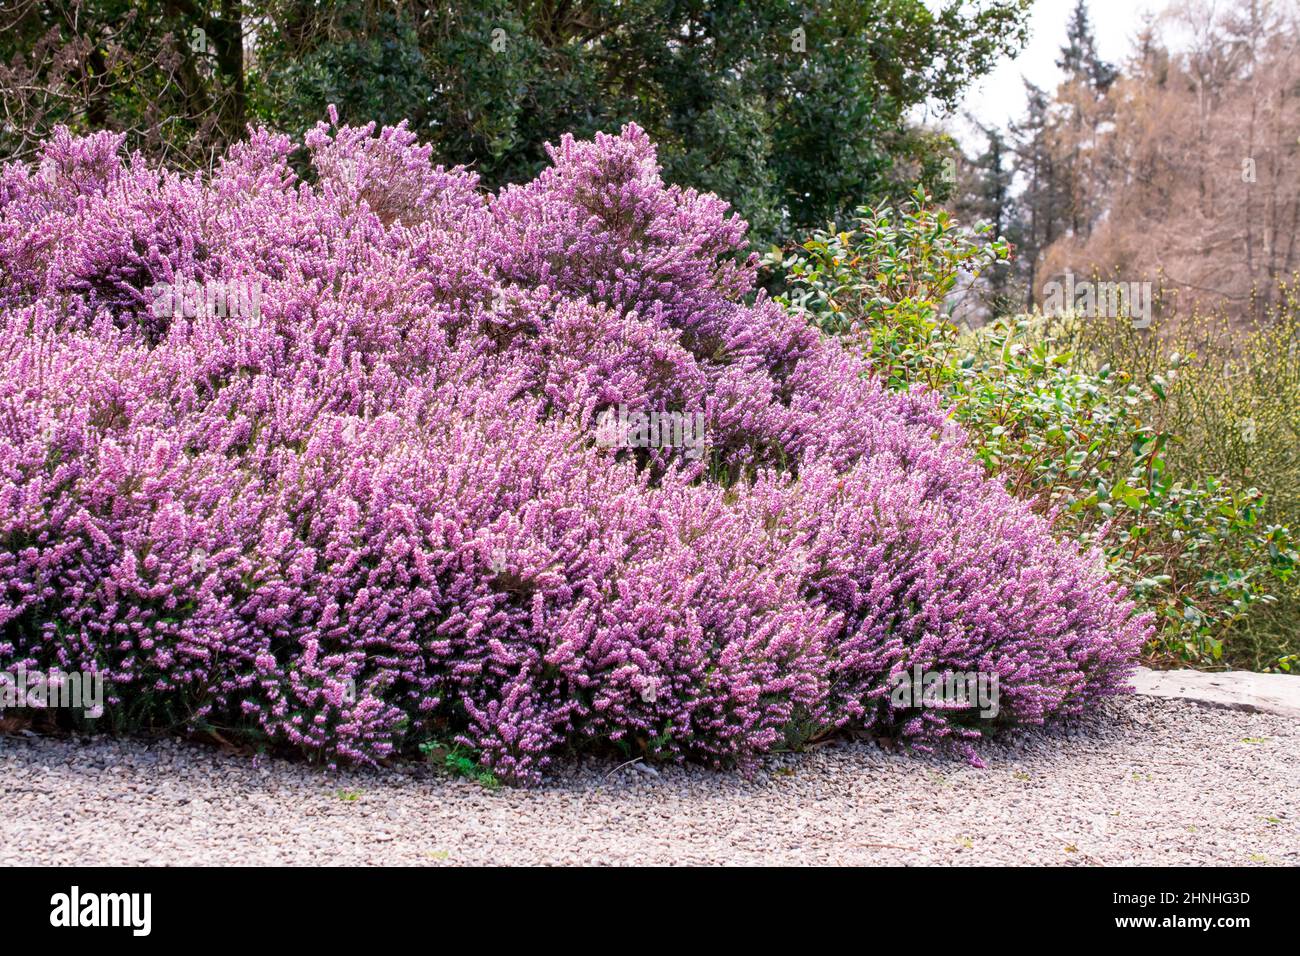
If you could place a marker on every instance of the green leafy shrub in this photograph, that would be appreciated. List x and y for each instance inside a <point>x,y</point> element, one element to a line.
<point>1115,451</point>
<point>1093,443</point>
<point>880,286</point>
<point>458,760</point>
<point>1233,407</point>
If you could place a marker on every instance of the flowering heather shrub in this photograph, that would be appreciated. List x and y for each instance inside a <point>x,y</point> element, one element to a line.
<point>373,511</point>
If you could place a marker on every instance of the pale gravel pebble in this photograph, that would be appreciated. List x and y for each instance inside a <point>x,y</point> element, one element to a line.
<point>1142,781</point>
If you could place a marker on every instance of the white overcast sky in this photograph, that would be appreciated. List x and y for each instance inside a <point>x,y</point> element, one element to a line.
<point>1000,96</point>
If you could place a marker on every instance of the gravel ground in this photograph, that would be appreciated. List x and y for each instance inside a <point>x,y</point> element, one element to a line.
<point>1144,781</point>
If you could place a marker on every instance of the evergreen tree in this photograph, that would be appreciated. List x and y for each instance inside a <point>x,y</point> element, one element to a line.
<point>988,195</point>
<point>1055,146</point>
<point>1079,58</point>
<point>1039,215</point>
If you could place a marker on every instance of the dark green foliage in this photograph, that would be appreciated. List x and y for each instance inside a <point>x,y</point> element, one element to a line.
<point>793,112</point>
<point>172,74</point>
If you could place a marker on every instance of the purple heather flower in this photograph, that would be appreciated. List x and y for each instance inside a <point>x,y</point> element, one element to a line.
<point>377,510</point>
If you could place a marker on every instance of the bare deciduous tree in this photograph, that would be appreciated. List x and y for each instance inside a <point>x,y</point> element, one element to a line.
<point>1187,171</point>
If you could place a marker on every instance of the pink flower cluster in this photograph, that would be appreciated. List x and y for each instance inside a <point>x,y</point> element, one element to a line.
<point>376,511</point>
